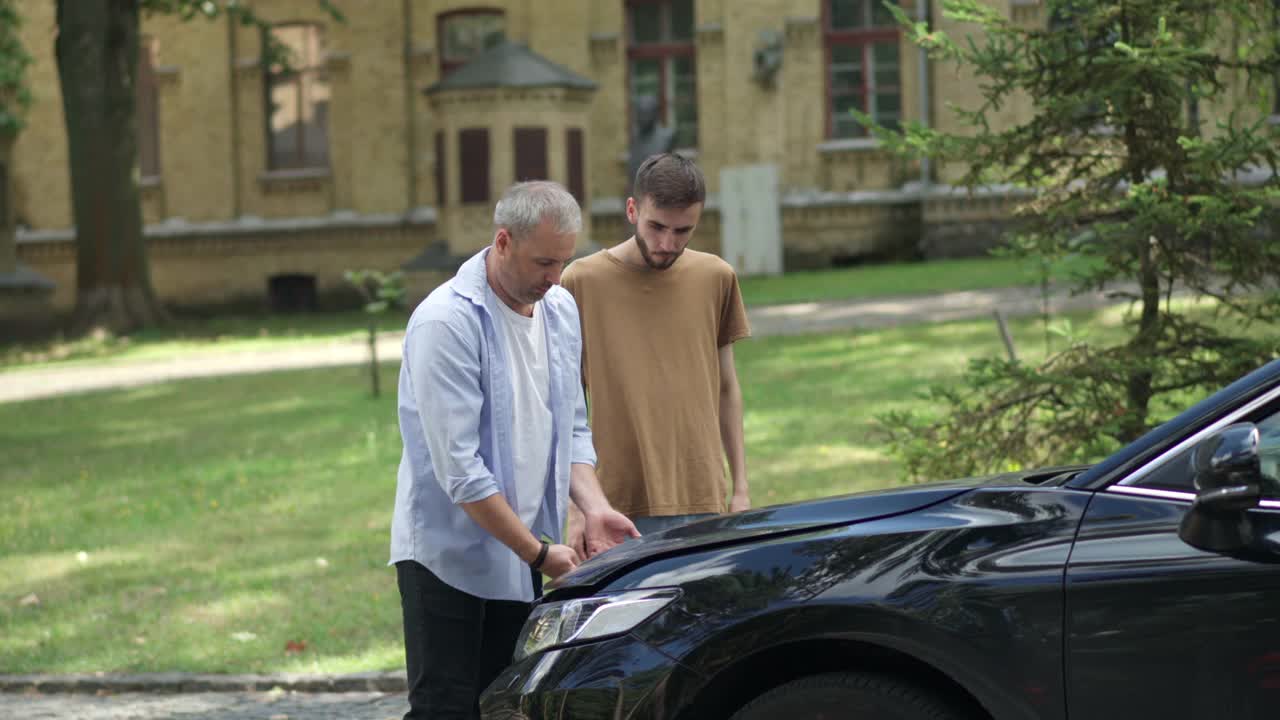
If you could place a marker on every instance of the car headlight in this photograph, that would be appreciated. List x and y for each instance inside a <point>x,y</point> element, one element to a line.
<point>591,618</point>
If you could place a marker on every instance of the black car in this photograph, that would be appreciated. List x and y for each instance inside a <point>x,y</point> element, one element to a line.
<point>1146,586</point>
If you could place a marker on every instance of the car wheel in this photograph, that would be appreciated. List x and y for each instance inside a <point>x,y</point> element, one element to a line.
<point>846,696</point>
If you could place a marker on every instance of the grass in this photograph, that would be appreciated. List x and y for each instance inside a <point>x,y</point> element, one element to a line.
<point>229,333</point>
<point>205,525</point>
<point>187,335</point>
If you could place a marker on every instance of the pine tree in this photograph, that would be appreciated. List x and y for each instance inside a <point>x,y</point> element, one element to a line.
<point>1123,173</point>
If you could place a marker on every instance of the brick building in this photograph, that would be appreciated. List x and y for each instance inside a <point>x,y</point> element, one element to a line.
<point>388,145</point>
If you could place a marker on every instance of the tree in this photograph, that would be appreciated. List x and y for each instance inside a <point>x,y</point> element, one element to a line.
<point>97,53</point>
<point>14,95</point>
<point>1123,175</point>
<point>381,292</point>
<point>14,99</point>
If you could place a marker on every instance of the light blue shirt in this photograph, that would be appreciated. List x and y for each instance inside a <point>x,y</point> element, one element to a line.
<point>456,420</point>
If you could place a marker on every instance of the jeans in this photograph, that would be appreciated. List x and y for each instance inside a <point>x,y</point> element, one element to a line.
<point>649,525</point>
<point>455,644</point>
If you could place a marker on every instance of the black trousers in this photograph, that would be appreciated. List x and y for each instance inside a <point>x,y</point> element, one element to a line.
<point>455,643</point>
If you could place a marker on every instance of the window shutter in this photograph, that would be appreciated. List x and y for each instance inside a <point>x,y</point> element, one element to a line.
<point>576,157</point>
<point>148,112</point>
<point>473,162</point>
<point>440,169</point>
<point>531,154</point>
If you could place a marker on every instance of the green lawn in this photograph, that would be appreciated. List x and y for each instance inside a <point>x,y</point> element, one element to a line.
<point>257,332</point>
<point>227,333</point>
<point>893,279</point>
<point>205,525</point>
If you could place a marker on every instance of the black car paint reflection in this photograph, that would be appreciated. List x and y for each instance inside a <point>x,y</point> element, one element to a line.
<point>1045,596</point>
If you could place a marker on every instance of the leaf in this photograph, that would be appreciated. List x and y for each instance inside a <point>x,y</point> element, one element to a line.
<point>29,600</point>
<point>293,647</point>
<point>243,636</point>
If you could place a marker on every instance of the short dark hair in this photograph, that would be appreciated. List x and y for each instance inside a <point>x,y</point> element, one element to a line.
<point>671,181</point>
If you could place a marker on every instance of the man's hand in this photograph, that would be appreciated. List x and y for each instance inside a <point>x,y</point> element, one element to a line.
<point>739,502</point>
<point>575,533</point>
<point>560,560</point>
<point>606,529</point>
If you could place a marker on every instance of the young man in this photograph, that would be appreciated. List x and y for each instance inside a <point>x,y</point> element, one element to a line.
<point>495,434</point>
<point>659,323</point>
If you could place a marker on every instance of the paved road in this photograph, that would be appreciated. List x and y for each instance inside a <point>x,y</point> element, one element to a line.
<point>205,706</point>
<point>816,317</point>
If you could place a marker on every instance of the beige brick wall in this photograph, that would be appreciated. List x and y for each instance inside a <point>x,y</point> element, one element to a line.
<point>802,79</point>
<point>816,235</point>
<point>196,141</point>
<point>383,127</point>
<point>235,266</point>
<point>212,116</point>
<point>607,42</point>
<point>960,87</point>
<point>41,178</point>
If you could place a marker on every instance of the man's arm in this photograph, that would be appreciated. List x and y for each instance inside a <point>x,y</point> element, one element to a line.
<point>495,515</point>
<point>604,527</point>
<point>444,372</point>
<point>584,453</point>
<point>731,430</point>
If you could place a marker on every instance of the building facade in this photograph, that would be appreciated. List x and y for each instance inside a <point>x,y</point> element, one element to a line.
<point>369,151</point>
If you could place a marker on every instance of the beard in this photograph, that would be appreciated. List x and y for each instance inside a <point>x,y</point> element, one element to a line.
<point>655,262</point>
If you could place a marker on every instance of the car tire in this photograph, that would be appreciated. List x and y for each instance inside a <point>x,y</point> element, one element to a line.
<point>846,696</point>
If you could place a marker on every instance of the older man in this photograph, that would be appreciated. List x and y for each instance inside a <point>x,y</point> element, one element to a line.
<point>495,434</point>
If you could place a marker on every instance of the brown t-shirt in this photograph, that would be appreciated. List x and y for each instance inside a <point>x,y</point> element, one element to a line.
<point>651,365</point>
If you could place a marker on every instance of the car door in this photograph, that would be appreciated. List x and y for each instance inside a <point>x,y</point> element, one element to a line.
<point>1156,628</point>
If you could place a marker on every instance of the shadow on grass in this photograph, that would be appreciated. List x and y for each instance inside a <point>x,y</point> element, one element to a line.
<point>225,518</point>
<point>258,505</point>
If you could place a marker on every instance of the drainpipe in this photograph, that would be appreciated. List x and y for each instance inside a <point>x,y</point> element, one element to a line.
<point>233,61</point>
<point>922,15</point>
<point>410,110</point>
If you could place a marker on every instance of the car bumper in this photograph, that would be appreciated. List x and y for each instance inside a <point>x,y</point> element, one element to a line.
<point>619,678</point>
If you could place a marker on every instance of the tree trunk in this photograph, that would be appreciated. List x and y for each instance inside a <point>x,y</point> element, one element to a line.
<point>373,353</point>
<point>97,52</point>
<point>1139,386</point>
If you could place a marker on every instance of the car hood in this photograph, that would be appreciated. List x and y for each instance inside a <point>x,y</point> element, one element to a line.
<point>765,522</point>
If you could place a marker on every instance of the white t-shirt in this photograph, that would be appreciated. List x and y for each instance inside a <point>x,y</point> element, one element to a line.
<point>525,340</point>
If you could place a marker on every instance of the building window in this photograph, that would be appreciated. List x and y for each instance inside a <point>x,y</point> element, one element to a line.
<point>467,33</point>
<point>473,164</point>
<point>531,154</point>
<point>148,109</point>
<point>863,68</point>
<point>575,157</point>
<point>297,100</point>
<point>662,63</point>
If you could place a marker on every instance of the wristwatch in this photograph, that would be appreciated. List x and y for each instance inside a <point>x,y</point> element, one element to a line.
<point>542,556</point>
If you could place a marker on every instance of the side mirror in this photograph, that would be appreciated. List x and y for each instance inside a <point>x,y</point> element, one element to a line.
<point>1228,481</point>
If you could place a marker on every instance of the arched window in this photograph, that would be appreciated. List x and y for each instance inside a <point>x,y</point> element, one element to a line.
<point>297,100</point>
<point>662,63</point>
<point>467,33</point>
<point>863,65</point>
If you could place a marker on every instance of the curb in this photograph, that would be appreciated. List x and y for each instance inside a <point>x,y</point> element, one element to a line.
<point>173,683</point>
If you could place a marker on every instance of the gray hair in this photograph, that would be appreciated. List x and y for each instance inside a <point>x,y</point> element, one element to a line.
<point>526,205</point>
